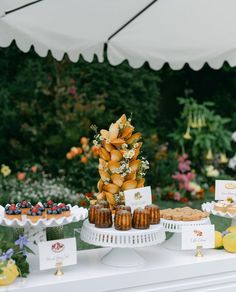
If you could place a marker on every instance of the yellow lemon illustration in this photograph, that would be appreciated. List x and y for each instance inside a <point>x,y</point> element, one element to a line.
<point>218,239</point>
<point>229,242</point>
<point>9,274</point>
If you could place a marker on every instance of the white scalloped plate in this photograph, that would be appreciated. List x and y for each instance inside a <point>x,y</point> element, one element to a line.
<point>209,207</point>
<point>77,214</point>
<point>176,226</point>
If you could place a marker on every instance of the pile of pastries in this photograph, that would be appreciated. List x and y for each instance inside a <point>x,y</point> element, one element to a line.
<point>101,215</point>
<point>46,210</point>
<point>183,214</point>
<point>119,166</point>
<point>225,206</point>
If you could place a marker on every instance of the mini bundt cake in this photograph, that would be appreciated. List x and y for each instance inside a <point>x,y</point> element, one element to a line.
<point>123,220</point>
<point>103,218</point>
<point>122,207</point>
<point>154,213</point>
<point>141,219</point>
<point>92,213</point>
<point>103,203</point>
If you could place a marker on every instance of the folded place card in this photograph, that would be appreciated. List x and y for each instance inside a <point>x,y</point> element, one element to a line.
<point>198,236</point>
<point>225,189</point>
<point>138,197</point>
<point>57,252</point>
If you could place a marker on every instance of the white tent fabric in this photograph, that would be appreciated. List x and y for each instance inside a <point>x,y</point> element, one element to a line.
<point>75,27</point>
<point>179,32</point>
<point>169,31</point>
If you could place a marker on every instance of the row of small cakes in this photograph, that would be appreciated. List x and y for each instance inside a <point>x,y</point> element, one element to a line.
<point>46,210</point>
<point>101,215</point>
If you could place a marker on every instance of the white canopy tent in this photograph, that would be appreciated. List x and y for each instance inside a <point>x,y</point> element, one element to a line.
<point>74,27</point>
<point>159,31</point>
<point>179,32</point>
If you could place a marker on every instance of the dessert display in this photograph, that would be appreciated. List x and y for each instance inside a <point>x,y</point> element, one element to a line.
<point>141,219</point>
<point>48,205</point>
<point>34,214</point>
<point>54,212</point>
<point>40,206</point>
<point>12,212</point>
<point>65,209</point>
<point>46,210</point>
<point>120,169</point>
<point>24,206</point>
<point>225,206</point>
<point>122,207</point>
<point>103,203</point>
<point>92,212</point>
<point>103,218</point>
<point>123,220</point>
<point>183,214</point>
<point>154,213</point>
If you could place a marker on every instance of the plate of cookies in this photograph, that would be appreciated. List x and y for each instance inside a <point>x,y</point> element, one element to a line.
<point>43,214</point>
<point>174,219</point>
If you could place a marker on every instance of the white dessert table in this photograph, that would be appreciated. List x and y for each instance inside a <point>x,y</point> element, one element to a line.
<point>164,271</point>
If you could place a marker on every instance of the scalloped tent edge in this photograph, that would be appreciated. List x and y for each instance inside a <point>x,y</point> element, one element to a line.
<point>123,43</point>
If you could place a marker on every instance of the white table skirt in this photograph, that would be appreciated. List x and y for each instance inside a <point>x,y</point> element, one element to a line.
<point>163,271</point>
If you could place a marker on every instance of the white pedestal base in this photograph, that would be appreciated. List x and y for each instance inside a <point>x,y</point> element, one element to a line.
<point>173,243</point>
<point>122,257</point>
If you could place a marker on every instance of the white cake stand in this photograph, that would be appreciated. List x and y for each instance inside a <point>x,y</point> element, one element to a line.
<point>36,232</point>
<point>174,243</point>
<point>123,243</point>
<point>209,207</point>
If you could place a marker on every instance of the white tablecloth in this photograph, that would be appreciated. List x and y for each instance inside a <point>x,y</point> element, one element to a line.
<point>163,271</point>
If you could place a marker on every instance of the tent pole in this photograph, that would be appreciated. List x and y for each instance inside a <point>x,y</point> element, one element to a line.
<point>21,7</point>
<point>133,18</point>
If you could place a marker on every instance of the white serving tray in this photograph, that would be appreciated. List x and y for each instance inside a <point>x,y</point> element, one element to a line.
<point>77,214</point>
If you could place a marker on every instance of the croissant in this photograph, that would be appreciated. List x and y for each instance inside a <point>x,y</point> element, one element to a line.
<point>104,154</point>
<point>129,185</point>
<point>116,155</point>
<point>119,165</point>
<point>117,179</point>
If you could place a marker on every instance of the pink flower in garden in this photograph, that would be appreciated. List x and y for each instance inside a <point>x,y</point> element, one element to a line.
<point>21,175</point>
<point>177,196</point>
<point>72,90</point>
<point>184,164</point>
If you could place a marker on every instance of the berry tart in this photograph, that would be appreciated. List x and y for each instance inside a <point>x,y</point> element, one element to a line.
<point>41,208</point>
<point>48,205</point>
<point>65,209</point>
<point>54,212</point>
<point>12,212</point>
<point>34,214</point>
<point>24,206</point>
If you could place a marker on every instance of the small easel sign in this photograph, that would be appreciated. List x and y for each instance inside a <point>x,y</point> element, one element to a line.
<point>57,254</point>
<point>198,238</point>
